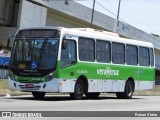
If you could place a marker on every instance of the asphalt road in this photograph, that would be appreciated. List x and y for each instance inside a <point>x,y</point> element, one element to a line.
<point>64,103</point>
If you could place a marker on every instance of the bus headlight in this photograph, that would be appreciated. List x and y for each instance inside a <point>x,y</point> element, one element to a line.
<point>11,75</point>
<point>50,76</point>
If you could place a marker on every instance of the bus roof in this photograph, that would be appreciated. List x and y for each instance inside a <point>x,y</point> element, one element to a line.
<point>97,31</point>
<point>96,34</point>
<point>108,36</point>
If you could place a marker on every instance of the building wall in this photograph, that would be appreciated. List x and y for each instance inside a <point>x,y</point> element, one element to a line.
<point>6,12</point>
<point>32,15</point>
<point>4,33</point>
<point>134,33</point>
<point>54,19</point>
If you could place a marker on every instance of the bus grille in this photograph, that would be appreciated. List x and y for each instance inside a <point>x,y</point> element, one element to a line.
<point>23,87</point>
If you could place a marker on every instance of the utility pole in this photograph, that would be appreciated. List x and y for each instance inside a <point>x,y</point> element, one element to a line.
<point>116,23</point>
<point>92,13</point>
<point>119,5</point>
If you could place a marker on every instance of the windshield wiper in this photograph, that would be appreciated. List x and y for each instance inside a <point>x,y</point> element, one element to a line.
<point>23,46</point>
<point>42,48</point>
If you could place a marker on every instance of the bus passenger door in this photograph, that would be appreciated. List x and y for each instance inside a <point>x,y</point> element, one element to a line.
<point>68,65</point>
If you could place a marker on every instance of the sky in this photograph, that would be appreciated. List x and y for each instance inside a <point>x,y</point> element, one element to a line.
<point>142,14</point>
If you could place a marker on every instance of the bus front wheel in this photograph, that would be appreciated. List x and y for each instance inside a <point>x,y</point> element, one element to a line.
<point>78,90</point>
<point>38,95</point>
<point>128,93</point>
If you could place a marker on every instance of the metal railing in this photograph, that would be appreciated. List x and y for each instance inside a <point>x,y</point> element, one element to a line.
<point>3,74</point>
<point>4,71</point>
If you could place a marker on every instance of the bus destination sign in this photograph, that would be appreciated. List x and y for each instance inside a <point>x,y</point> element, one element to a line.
<point>37,33</point>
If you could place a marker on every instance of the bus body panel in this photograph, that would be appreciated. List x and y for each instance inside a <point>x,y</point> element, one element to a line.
<point>67,86</point>
<point>102,77</point>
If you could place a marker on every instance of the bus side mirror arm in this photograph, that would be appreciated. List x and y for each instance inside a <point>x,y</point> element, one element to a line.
<point>9,39</point>
<point>64,44</point>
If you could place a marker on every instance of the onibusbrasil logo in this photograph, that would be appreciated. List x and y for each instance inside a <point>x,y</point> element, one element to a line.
<point>108,72</point>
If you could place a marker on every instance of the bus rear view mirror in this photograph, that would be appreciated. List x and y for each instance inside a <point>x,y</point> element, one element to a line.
<point>9,39</point>
<point>64,44</point>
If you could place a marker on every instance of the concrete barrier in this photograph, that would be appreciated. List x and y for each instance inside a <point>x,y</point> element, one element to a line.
<point>154,92</point>
<point>4,90</point>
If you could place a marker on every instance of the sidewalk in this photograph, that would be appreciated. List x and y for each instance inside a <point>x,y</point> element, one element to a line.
<point>4,89</point>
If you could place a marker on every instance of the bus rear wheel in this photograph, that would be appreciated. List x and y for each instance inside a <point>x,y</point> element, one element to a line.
<point>38,95</point>
<point>78,90</point>
<point>128,93</point>
<point>92,95</point>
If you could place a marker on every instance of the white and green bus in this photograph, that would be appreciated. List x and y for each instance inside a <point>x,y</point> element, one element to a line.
<point>79,61</point>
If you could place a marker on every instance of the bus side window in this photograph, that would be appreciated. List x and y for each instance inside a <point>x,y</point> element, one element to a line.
<point>68,54</point>
<point>103,51</point>
<point>86,49</point>
<point>151,57</point>
<point>131,55</point>
<point>144,56</point>
<point>118,53</point>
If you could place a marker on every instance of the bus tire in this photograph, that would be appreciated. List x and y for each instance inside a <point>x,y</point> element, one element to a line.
<point>78,90</point>
<point>38,95</point>
<point>92,95</point>
<point>128,93</point>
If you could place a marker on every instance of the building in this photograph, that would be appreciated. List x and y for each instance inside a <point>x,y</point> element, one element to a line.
<point>15,14</point>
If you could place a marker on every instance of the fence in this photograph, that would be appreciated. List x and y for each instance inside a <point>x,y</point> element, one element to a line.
<point>3,74</point>
<point>4,62</point>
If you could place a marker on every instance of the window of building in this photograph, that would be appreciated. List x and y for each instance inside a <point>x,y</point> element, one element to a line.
<point>68,54</point>
<point>86,49</point>
<point>131,55</point>
<point>118,53</point>
<point>144,56</point>
<point>103,53</point>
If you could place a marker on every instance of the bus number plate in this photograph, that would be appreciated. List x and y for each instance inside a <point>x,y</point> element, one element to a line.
<point>29,85</point>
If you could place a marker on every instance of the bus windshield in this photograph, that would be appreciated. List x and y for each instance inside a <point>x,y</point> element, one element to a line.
<point>37,53</point>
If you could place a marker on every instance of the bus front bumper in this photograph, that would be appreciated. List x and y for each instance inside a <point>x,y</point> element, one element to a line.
<point>56,85</point>
<point>49,86</point>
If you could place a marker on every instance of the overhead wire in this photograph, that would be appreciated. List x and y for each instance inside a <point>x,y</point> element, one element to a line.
<point>110,12</point>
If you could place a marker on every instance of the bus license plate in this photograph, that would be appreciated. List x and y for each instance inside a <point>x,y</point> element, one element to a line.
<point>29,85</point>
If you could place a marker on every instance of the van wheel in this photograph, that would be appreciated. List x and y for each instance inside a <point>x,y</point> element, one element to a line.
<point>78,90</point>
<point>38,95</point>
<point>128,93</point>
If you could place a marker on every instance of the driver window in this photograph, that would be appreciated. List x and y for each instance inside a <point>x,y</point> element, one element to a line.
<point>68,54</point>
